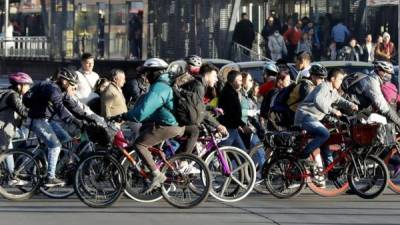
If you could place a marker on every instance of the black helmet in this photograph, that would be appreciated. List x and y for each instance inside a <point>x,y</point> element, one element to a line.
<point>318,70</point>
<point>384,66</point>
<point>68,75</point>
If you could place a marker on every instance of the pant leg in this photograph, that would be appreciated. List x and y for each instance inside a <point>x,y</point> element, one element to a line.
<point>261,158</point>
<point>234,139</point>
<point>45,133</point>
<point>320,133</point>
<point>192,134</point>
<point>61,133</point>
<point>152,136</point>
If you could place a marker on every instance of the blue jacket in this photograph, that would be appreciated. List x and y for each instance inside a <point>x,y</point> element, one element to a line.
<point>47,99</point>
<point>156,105</point>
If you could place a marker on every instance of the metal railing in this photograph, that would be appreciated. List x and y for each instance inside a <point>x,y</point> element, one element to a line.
<point>241,53</point>
<point>24,47</point>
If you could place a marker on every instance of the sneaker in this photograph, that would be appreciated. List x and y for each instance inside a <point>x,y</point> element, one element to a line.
<point>53,182</point>
<point>319,181</point>
<point>159,179</point>
<point>185,168</point>
<point>17,182</point>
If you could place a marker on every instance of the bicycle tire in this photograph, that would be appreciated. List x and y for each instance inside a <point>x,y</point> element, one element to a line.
<point>285,176</point>
<point>394,181</point>
<point>370,162</point>
<point>260,185</point>
<point>26,167</point>
<point>246,169</point>
<point>112,173</point>
<point>182,180</point>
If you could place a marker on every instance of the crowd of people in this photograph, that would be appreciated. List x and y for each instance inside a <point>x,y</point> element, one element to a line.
<point>323,40</point>
<point>151,104</point>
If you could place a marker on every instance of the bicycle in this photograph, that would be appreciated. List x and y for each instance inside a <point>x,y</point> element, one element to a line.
<point>100,178</point>
<point>353,163</point>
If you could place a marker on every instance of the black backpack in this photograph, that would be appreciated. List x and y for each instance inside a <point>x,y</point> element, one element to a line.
<point>352,79</point>
<point>4,93</point>
<point>279,102</point>
<point>187,106</point>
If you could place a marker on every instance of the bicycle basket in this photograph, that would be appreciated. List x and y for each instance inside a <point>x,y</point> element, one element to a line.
<point>373,134</point>
<point>282,139</point>
<point>101,135</point>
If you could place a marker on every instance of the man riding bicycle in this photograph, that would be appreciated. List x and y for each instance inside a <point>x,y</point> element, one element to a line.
<point>315,107</point>
<point>45,100</point>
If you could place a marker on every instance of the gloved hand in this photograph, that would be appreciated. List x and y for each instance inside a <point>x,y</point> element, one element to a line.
<point>79,123</point>
<point>392,116</point>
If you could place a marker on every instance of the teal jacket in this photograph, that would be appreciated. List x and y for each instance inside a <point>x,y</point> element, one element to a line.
<point>156,105</point>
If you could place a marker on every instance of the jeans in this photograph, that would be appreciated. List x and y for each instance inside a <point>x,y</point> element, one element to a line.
<point>44,131</point>
<point>234,139</point>
<point>260,154</point>
<point>321,134</point>
<point>62,135</point>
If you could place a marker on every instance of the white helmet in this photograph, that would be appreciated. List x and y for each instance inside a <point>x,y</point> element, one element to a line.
<point>155,64</point>
<point>270,67</point>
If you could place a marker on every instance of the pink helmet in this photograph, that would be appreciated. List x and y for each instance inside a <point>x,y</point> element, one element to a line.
<point>20,78</point>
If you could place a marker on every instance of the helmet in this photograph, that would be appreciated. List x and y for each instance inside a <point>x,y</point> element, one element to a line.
<point>20,78</point>
<point>270,67</point>
<point>155,64</point>
<point>194,60</point>
<point>68,75</point>
<point>385,66</point>
<point>177,68</point>
<point>319,70</point>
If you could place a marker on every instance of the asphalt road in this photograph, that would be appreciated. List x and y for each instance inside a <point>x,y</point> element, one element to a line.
<point>256,209</point>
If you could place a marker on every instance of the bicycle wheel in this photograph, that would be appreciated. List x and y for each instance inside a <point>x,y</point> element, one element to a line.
<point>186,188</point>
<point>392,163</point>
<point>66,166</point>
<point>26,168</point>
<point>333,184</point>
<point>236,185</point>
<point>99,180</point>
<point>368,177</point>
<point>260,185</point>
<point>136,184</point>
<point>284,178</point>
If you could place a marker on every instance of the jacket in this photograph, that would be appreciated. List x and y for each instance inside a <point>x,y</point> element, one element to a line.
<point>134,89</point>
<point>244,33</point>
<point>9,117</point>
<point>48,101</point>
<point>198,86</point>
<point>319,103</point>
<point>156,106</point>
<point>277,46</point>
<point>229,101</point>
<point>113,101</point>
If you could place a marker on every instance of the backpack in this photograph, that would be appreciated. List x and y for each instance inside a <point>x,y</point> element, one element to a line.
<point>31,96</point>
<point>187,106</point>
<point>279,101</point>
<point>351,80</point>
<point>4,93</point>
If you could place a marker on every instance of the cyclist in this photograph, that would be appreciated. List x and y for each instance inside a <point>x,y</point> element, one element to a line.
<point>269,75</point>
<point>314,108</point>
<point>367,91</point>
<point>154,110</point>
<point>193,64</point>
<point>11,111</point>
<point>45,100</point>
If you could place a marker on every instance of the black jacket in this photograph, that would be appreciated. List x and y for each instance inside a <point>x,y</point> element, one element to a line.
<point>134,89</point>
<point>46,99</point>
<point>229,101</point>
<point>198,86</point>
<point>244,33</point>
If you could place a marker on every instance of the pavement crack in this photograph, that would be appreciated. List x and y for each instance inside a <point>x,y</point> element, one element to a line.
<point>253,213</point>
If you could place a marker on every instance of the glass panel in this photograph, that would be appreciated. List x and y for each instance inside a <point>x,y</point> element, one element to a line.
<point>85,27</point>
<point>118,43</point>
<point>135,28</point>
